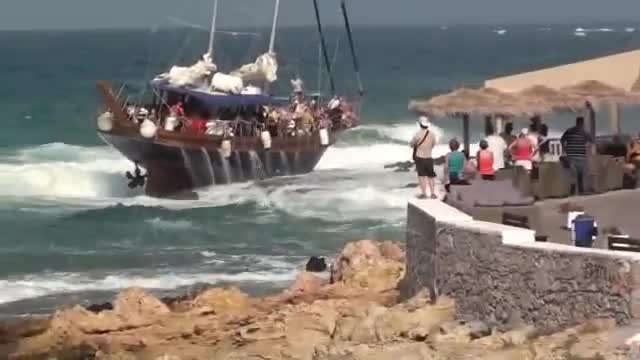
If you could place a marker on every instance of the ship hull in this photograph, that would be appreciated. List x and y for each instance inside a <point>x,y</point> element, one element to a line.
<point>175,170</point>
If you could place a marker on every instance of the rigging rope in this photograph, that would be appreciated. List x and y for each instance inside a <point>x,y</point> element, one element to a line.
<point>324,48</point>
<point>356,65</point>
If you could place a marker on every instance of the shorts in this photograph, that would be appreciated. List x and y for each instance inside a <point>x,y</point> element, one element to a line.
<point>424,167</point>
<point>525,164</point>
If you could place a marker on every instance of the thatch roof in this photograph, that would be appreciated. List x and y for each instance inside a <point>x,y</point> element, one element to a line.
<point>551,99</point>
<point>534,100</point>
<point>597,91</point>
<point>481,101</point>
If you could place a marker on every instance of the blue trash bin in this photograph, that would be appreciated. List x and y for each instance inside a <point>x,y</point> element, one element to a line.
<point>583,231</point>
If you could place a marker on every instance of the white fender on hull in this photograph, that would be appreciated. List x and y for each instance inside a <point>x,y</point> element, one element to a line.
<point>148,129</point>
<point>170,123</point>
<point>105,121</point>
<point>266,139</point>
<point>324,137</point>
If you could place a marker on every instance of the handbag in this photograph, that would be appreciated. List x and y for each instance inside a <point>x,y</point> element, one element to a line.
<point>415,148</point>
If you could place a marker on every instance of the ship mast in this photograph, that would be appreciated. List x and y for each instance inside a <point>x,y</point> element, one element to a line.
<point>272,40</point>
<point>212,33</point>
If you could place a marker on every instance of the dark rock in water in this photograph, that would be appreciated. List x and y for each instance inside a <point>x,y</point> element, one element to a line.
<point>98,308</point>
<point>317,264</point>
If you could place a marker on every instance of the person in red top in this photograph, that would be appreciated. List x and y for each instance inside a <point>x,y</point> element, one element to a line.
<point>485,162</point>
<point>522,150</point>
<point>198,124</point>
<point>178,109</point>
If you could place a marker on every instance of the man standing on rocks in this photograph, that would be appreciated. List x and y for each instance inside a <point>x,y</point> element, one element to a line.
<point>422,143</point>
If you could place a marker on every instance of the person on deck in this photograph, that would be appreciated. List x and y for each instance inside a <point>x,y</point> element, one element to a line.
<point>534,138</point>
<point>178,109</point>
<point>485,160</point>
<point>509,138</point>
<point>521,150</point>
<point>543,148</point>
<point>423,143</point>
<point>454,165</point>
<point>497,145</point>
<point>576,143</point>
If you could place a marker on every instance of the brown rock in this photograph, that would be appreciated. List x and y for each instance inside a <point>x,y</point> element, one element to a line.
<point>136,302</point>
<point>393,251</point>
<point>218,301</point>
<point>306,283</point>
<point>364,264</point>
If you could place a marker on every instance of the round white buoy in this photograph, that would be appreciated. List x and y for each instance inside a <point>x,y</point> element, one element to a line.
<point>324,137</point>
<point>105,121</point>
<point>225,148</point>
<point>170,123</point>
<point>148,129</point>
<point>266,139</point>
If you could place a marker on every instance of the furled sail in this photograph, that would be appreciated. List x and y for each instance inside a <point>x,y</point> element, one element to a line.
<point>195,75</point>
<point>264,69</point>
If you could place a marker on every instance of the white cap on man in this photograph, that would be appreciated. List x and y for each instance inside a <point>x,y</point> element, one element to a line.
<point>423,121</point>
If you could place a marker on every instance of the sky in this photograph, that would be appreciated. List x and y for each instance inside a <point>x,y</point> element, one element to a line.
<point>91,14</point>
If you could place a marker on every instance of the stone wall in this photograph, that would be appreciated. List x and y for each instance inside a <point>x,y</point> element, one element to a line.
<point>499,274</point>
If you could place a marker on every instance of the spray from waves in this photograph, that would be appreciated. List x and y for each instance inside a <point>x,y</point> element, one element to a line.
<point>60,170</point>
<point>60,283</point>
<point>373,146</point>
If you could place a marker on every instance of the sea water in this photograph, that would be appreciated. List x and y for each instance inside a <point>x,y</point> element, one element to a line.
<point>72,232</point>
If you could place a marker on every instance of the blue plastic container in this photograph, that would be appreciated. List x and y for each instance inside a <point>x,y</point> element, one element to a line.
<point>583,231</point>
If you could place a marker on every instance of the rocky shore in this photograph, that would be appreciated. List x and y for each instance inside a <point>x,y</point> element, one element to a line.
<point>356,314</point>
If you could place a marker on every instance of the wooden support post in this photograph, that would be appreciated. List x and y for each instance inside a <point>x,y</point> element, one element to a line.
<point>592,119</point>
<point>465,133</point>
<point>614,117</point>
<point>499,124</point>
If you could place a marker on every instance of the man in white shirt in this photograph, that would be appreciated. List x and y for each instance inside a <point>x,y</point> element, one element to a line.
<point>497,146</point>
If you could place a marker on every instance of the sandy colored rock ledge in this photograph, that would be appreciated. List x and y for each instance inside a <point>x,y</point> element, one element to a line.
<point>356,316</point>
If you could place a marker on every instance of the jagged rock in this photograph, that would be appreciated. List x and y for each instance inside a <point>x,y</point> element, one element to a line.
<point>393,251</point>
<point>217,301</point>
<point>364,264</point>
<point>456,332</point>
<point>136,302</point>
<point>307,283</point>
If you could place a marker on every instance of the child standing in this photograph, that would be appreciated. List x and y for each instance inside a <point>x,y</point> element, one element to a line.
<point>485,162</point>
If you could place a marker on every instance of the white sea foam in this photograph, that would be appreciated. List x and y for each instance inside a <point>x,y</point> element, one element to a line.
<point>164,224</point>
<point>58,283</point>
<point>500,31</point>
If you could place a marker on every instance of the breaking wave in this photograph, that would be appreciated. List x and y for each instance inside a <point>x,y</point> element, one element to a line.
<point>58,283</point>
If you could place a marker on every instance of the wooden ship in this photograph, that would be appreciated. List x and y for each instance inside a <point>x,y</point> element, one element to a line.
<point>205,127</point>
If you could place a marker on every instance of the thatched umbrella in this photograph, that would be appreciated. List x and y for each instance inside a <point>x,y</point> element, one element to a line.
<point>471,102</point>
<point>596,92</point>
<point>465,102</point>
<point>546,99</point>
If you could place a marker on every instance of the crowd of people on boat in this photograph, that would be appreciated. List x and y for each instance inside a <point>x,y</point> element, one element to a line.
<point>528,149</point>
<point>302,116</point>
